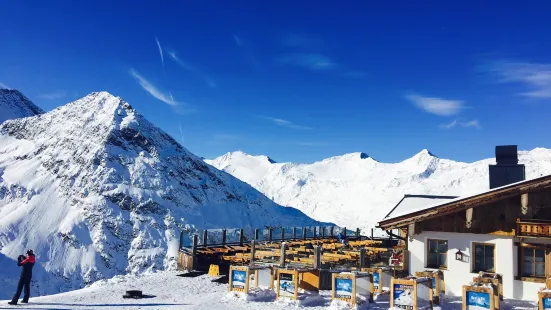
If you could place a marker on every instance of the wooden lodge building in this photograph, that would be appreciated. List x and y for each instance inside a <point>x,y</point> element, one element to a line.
<point>506,230</point>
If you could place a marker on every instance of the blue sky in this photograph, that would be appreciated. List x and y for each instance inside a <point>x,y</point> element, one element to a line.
<point>297,81</point>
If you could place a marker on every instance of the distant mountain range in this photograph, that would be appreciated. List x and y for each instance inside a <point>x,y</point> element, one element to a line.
<point>354,190</point>
<point>97,190</point>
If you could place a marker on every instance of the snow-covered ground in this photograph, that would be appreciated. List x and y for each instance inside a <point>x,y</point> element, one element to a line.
<point>169,291</point>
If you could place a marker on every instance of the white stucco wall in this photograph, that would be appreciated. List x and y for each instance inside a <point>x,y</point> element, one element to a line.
<point>460,273</point>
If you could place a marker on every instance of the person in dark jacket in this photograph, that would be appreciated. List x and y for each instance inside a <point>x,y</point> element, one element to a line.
<point>26,275</point>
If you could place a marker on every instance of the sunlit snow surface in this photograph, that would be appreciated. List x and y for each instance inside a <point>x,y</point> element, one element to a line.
<point>173,292</point>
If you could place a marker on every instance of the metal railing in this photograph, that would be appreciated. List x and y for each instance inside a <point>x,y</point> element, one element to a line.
<point>239,236</point>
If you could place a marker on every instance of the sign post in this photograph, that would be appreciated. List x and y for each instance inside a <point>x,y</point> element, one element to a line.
<point>287,284</point>
<point>239,279</point>
<point>348,286</point>
<point>411,293</point>
<point>477,297</point>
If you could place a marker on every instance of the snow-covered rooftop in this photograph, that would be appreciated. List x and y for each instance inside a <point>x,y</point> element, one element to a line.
<point>414,203</point>
<point>536,182</point>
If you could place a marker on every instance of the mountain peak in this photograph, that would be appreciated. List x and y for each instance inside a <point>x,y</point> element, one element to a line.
<point>13,105</point>
<point>100,102</point>
<point>425,153</point>
<point>240,153</point>
<point>356,156</point>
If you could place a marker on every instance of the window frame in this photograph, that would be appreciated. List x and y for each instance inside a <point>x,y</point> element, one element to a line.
<point>427,265</point>
<point>520,260</point>
<point>533,249</point>
<point>473,250</point>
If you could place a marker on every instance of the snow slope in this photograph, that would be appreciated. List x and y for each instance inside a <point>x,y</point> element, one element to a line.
<point>96,190</point>
<point>168,291</point>
<point>14,104</point>
<point>354,190</point>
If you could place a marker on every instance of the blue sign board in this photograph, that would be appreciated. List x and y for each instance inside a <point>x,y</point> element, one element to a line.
<point>238,279</point>
<point>403,296</point>
<point>343,288</point>
<point>376,280</point>
<point>478,300</point>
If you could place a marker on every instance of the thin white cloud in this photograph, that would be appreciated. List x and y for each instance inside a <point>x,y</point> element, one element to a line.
<point>315,62</point>
<point>160,52</point>
<point>152,90</point>
<point>246,50</point>
<point>192,69</point>
<point>3,86</point>
<point>534,76</point>
<point>467,124</point>
<point>181,132</point>
<point>285,123</point>
<point>237,40</point>
<point>438,106</point>
<point>450,125</point>
<point>60,94</point>
<point>474,124</point>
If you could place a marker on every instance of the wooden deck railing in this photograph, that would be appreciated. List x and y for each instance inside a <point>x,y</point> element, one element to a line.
<point>533,228</point>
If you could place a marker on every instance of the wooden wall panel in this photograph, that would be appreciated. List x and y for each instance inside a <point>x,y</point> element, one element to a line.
<point>495,218</point>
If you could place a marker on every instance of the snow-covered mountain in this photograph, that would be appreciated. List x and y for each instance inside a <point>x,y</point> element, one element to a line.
<point>14,104</point>
<point>354,190</point>
<point>96,190</point>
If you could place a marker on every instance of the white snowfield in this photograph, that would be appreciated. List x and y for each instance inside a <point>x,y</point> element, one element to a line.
<point>96,190</point>
<point>174,292</point>
<point>354,190</point>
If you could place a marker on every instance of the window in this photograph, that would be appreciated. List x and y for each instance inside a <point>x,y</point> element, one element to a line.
<point>533,262</point>
<point>437,253</point>
<point>484,259</point>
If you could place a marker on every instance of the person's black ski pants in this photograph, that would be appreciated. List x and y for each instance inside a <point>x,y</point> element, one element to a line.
<point>24,282</point>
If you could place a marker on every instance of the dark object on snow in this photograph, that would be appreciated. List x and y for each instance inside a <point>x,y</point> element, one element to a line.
<point>133,294</point>
<point>192,274</point>
<point>223,279</point>
<point>26,275</point>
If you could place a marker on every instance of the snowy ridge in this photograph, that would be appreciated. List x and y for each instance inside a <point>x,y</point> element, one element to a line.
<point>14,104</point>
<point>354,190</point>
<point>96,190</point>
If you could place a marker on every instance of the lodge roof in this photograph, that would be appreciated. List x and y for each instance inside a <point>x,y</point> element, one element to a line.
<point>463,203</point>
<point>411,203</point>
